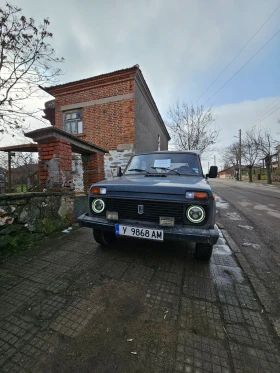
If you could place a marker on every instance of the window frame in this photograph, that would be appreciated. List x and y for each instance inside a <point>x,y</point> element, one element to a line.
<point>72,121</point>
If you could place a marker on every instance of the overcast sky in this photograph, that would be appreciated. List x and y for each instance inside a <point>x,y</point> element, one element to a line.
<point>181,46</point>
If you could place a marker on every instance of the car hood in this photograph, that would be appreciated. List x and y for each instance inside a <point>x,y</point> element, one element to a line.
<point>172,184</point>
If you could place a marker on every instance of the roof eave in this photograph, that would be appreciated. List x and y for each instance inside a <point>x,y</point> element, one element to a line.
<point>45,134</point>
<point>52,90</point>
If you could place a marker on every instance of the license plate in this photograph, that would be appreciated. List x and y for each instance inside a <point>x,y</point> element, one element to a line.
<point>149,234</point>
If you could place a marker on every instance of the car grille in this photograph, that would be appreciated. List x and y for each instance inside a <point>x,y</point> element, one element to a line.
<point>128,209</point>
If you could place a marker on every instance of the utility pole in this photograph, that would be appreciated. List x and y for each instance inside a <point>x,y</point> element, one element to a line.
<point>240,155</point>
<point>214,160</point>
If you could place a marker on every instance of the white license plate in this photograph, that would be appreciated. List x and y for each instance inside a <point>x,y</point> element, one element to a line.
<point>149,234</point>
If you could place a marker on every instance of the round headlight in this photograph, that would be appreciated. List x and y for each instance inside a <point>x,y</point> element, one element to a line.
<point>98,205</point>
<point>195,214</point>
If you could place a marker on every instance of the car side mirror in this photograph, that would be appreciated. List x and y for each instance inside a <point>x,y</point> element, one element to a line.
<point>119,172</point>
<point>213,172</point>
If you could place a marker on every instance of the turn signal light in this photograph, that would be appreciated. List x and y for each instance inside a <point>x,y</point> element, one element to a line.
<point>197,195</point>
<point>200,195</point>
<point>97,190</point>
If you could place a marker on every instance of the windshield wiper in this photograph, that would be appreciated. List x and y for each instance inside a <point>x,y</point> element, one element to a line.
<point>166,169</point>
<point>138,170</point>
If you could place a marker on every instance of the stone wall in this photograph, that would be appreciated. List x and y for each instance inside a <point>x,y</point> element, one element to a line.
<point>117,158</point>
<point>29,216</point>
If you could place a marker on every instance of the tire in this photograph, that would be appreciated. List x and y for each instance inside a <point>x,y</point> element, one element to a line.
<point>203,251</point>
<point>104,238</point>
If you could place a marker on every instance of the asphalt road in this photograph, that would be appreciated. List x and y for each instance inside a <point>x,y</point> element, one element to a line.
<point>251,215</point>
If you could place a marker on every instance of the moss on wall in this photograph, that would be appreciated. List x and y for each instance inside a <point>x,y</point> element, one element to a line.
<point>25,218</point>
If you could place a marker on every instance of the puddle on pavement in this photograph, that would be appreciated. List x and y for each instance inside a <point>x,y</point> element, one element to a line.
<point>234,216</point>
<point>274,214</point>
<point>230,275</point>
<point>245,203</point>
<point>248,227</point>
<point>261,207</point>
<point>250,244</point>
<point>222,204</point>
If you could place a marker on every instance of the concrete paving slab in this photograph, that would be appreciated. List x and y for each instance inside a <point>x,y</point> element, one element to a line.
<point>133,307</point>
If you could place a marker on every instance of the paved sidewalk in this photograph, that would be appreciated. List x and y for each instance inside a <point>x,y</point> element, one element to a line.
<point>71,306</point>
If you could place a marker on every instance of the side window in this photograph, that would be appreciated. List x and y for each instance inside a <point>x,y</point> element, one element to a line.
<point>72,122</point>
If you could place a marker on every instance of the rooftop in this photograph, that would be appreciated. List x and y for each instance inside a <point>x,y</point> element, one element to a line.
<point>134,68</point>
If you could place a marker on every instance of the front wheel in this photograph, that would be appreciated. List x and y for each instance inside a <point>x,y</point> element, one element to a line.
<point>104,238</point>
<point>203,251</point>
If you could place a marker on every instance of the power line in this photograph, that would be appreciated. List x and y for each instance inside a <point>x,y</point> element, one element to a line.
<point>278,107</point>
<point>238,53</point>
<point>262,113</point>
<point>207,89</point>
<point>241,68</point>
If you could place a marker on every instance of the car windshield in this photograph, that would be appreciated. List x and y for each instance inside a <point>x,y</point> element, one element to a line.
<point>163,163</point>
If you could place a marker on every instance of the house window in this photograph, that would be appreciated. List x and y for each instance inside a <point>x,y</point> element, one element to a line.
<point>72,122</point>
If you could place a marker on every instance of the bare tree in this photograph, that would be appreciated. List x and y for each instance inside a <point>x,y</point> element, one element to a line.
<point>192,128</point>
<point>265,142</point>
<point>230,155</point>
<point>251,150</point>
<point>27,60</point>
<point>23,159</point>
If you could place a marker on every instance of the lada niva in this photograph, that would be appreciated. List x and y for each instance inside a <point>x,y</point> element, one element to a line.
<point>160,196</point>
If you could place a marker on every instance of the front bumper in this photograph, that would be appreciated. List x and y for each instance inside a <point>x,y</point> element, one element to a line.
<point>186,234</point>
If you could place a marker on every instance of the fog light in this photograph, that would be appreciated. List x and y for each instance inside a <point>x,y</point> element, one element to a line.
<point>166,221</point>
<point>195,214</point>
<point>112,215</point>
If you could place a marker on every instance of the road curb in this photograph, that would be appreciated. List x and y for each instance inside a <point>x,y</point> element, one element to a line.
<point>255,282</point>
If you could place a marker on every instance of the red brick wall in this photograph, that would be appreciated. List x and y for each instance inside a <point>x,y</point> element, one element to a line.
<point>105,125</point>
<point>93,167</point>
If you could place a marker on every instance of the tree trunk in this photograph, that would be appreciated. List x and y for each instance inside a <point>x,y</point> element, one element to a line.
<point>250,174</point>
<point>268,169</point>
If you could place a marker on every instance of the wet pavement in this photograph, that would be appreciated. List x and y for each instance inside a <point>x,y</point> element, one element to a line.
<point>72,306</point>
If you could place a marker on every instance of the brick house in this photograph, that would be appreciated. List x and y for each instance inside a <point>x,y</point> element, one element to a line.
<point>113,111</point>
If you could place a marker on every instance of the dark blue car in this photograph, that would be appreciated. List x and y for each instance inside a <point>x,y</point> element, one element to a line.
<point>160,196</point>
